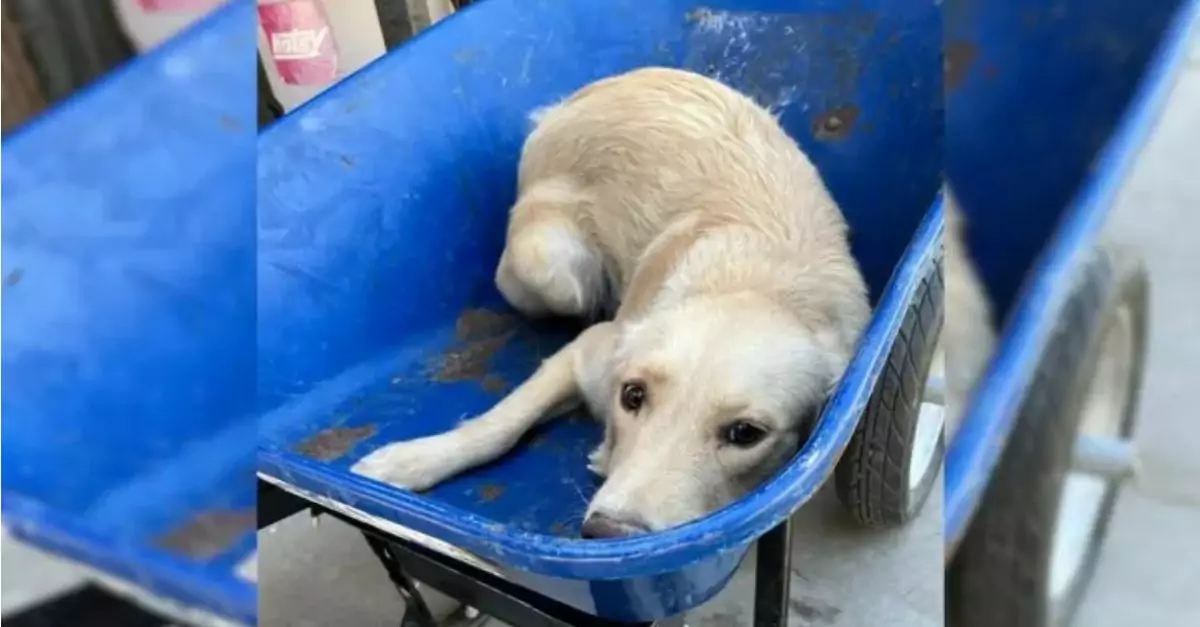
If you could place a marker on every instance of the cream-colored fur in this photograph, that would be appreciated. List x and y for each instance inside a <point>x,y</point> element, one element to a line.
<point>967,336</point>
<point>738,297</point>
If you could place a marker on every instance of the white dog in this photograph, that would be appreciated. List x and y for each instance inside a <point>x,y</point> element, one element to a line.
<point>739,302</point>
<point>968,337</point>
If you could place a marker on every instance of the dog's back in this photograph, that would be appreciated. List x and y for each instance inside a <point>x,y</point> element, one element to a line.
<point>639,151</point>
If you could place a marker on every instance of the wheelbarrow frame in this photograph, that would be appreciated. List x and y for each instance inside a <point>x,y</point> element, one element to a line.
<point>330,139</point>
<point>408,563</point>
<point>408,558</point>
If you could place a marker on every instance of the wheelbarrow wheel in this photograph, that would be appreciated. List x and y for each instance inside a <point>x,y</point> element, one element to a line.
<point>892,462</point>
<point>1031,550</point>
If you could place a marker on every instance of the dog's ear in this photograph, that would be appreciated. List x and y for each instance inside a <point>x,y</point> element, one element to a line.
<point>660,260</point>
<point>594,367</point>
<point>832,302</point>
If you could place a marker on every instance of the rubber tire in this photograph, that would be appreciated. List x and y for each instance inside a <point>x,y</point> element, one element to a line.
<point>871,479</point>
<point>1000,571</point>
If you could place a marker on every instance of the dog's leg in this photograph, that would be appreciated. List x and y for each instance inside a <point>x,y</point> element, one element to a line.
<point>553,390</point>
<point>548,265</point>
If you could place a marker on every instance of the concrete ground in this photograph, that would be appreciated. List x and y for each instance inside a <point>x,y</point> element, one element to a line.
<point>31,576</point>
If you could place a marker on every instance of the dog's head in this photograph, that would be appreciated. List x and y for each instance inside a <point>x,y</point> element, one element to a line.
<point>705,401</point>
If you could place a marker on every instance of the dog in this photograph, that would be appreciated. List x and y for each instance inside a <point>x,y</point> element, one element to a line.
<point>969,338</point>
<point>737,305</point>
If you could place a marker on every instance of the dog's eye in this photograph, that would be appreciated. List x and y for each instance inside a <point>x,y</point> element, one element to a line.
<point>633,395</point>
<point>744,434</point>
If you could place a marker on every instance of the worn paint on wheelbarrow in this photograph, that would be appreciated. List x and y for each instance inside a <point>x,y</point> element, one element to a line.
<point>382,214</point>
<point>1052,104</point>
<point>128,257</point>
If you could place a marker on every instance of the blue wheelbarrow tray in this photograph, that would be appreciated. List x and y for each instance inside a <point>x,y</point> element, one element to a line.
<point>1059,97</point>
<point>128,246</point>
<point>382,211</point>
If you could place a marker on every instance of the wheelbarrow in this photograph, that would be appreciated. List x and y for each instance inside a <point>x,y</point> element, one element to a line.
<point>382,209</point>
<point>1047,106</point>
<point>128,247</point>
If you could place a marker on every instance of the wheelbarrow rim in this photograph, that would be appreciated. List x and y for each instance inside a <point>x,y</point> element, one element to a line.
<point>931,421</point>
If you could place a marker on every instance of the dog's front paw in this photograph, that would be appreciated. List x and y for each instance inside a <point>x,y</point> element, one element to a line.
<point>414,465</point>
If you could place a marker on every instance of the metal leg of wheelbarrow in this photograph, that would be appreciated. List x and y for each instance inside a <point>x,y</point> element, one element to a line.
<point>276,504</point>
<point>492,595</point>
<point>406,563</point>
<point>416,612</point>
<point>773,577</point>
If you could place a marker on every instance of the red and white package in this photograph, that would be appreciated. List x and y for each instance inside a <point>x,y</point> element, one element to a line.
<point>156,6</point>
<point>300,41</point>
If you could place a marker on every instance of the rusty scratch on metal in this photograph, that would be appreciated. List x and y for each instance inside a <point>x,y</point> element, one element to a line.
<point>209,533</point>
<point>334,442</point>
<point>481,335</point>
<point>836,124</point>
<point>490,492</point>
<point>959,56</point>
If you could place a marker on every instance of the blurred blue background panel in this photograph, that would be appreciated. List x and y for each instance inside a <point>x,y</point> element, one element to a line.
<point>128,317</point>
<point>1048,104</point>
<point>1035,89</point>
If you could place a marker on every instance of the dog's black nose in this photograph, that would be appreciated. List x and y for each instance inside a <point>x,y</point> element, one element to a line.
<point>600,526</point>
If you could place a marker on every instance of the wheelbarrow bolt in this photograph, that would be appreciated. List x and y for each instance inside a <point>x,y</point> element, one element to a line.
<point>1105,457</point>
<point>470,612</point>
